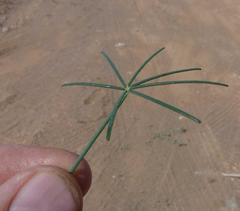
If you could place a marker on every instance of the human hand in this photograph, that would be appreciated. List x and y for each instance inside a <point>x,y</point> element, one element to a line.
<point>35,179</point>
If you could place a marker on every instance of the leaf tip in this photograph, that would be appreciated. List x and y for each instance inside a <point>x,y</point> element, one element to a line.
<point>161,49</point>
<point>108,136</point>
<point>103,53</point>
<point>198,121</point>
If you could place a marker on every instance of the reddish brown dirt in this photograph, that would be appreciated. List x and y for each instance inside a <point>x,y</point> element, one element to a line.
<point>156,160</point>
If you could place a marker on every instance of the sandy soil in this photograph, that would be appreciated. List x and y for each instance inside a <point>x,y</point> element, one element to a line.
<point>156,159</point>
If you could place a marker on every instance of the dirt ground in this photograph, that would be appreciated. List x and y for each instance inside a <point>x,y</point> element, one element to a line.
<point>156,160</point>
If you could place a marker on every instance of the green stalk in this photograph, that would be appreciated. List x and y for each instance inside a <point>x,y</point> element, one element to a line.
<point>93,139</point>
<point>88,146</point>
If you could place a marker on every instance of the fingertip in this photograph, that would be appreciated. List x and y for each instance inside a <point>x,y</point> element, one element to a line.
<point>83,176</point>
<point>18,158</point>
<point>48,188</point>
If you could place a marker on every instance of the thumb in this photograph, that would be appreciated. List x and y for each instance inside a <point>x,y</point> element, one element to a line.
<point>41,189</point>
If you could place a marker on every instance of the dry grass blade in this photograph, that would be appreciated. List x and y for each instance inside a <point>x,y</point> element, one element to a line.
<point>166,74</point>
<point>168,106</point>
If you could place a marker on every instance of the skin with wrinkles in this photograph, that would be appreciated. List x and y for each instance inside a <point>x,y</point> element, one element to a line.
<point>20,165</point>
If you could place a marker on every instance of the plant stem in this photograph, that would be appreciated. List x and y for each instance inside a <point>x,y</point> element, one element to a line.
<point>85,150</point>
<point>88,146</point>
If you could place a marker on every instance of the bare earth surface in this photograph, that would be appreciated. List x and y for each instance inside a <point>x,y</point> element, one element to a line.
<point>156,160</point>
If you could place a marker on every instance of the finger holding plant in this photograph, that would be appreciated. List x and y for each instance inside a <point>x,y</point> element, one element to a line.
<point>130,87</point>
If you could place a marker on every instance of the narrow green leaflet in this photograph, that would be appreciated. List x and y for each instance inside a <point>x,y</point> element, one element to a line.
<point>166,105</point>
<point>113,114</point>
<point>166,74</point>
<point>179,82</point>
<point>106,86</point>
<point>114,68</point>
<point>143,65</point>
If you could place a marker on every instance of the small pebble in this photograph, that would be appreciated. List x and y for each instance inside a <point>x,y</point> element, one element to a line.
<point>180,117</point>
<point>119,45</point>
<point>4,29</point>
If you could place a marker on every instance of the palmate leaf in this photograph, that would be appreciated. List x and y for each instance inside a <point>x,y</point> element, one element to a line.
<point>166,74</point>
<point>168,106</point>
<point>143,65</point>
<point>114,113</point>
<point>114,68</point>
<point>179,82</point>
<point>131,87</point>
<point>106,86</point>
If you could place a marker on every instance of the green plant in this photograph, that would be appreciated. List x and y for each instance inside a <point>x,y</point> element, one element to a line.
<point>131,88</point>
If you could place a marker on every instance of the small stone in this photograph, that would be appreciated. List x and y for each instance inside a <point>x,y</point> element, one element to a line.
<point>119,45</point>
<point>180,117</point>
<point>4,29</point>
